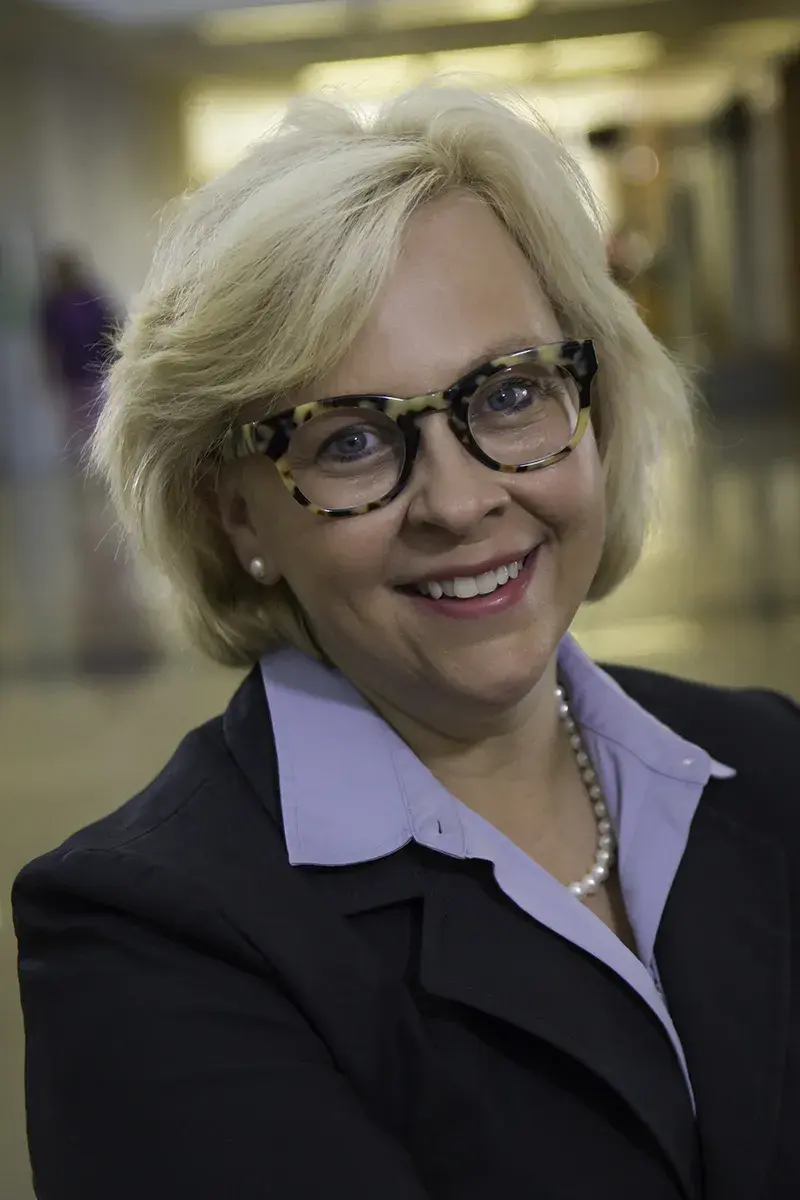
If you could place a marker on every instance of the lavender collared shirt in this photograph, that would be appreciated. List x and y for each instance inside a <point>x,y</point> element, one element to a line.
<point>362,793</point>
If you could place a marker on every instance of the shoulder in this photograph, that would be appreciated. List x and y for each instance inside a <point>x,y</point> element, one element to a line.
<point>178,845</point>
<point>743,727</point>
<point>174,797</point>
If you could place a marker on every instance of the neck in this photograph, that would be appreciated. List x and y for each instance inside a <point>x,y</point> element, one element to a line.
<point>503,766</point>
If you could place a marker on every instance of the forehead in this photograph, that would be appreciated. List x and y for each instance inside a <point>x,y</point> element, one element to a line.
<point>461,291</point>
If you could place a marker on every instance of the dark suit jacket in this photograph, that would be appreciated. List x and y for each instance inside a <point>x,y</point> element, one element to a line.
<point>207,1022</point>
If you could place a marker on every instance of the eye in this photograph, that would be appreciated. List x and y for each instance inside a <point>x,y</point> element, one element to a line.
<point>512,396</point>
<point>350,444</point>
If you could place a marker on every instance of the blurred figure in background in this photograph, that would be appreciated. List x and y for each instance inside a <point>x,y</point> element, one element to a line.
<point>77,322</point>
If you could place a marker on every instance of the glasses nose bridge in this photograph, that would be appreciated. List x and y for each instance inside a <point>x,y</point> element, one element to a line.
<point>430,404</point>
<point>433,404</point>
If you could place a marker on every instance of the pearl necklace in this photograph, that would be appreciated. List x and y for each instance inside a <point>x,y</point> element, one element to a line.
<point>606,842</point>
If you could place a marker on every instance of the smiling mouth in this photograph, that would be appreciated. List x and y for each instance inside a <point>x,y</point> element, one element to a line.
<point>467,587</point>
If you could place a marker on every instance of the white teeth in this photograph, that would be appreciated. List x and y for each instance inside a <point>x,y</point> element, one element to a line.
<point>465,587</point>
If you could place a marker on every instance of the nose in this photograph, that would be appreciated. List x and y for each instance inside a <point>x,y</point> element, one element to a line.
<point>448,487</point>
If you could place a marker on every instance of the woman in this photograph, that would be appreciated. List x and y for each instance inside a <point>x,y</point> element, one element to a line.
<point>438,908</point>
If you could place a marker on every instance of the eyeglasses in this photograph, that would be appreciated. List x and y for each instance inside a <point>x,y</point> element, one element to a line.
<point>349,455</point>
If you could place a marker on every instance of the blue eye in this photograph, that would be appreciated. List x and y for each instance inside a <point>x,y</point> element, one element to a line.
<point>350,444</point>
<point>512,397</point>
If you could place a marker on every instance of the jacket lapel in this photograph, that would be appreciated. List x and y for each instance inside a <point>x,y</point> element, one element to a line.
<point>724,959</point>
<point>528,976</point>
<point>478,949</point>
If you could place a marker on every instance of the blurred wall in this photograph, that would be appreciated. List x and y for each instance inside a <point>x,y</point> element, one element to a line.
<point>105,156</point>
<point>90,146</point>
<point>790,131</point>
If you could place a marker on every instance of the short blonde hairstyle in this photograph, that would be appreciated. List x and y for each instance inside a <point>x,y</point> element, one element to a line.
<point>263,277</point>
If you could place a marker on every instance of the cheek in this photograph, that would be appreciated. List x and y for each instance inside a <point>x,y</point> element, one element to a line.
<point>569,497</point>
<point>322,557</point>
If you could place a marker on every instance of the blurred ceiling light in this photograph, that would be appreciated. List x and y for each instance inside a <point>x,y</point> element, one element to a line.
<point>573,106</point>
<point>576,4</point>
<point>595,55</point>
<point>275,22</point>
<point>514,64</point>
<point>221,122</point>
<point>416,14</point>
<point>370,77</point>
<point>756,39</point>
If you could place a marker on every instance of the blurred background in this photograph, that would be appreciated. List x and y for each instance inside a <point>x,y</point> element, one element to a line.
<point>685,115</point>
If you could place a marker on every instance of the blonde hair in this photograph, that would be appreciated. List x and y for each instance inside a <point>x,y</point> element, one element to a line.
<point>263,277</point>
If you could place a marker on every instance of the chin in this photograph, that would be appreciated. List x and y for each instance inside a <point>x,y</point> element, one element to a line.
<point>495,678</point>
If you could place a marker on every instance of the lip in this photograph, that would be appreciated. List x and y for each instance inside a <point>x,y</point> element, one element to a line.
<point>497,602</point>
<point>468,570</point>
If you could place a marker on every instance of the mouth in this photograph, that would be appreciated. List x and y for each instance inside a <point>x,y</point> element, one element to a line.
<point>490,590</point>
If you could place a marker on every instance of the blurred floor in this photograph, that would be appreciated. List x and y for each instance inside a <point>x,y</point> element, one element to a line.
<point>717,597</point>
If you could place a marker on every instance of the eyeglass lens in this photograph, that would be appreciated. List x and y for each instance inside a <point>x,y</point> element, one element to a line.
<point>348,457</point>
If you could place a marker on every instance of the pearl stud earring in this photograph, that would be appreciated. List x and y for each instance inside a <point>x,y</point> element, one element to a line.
<point>258,568</point>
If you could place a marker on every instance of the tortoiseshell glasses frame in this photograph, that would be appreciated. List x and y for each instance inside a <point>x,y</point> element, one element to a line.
<point>271,436</point>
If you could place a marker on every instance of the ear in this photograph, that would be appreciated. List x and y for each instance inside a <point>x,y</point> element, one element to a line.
<point>228,496</point>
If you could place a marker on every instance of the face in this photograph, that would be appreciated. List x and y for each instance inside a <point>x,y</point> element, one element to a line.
<point>461,291</point>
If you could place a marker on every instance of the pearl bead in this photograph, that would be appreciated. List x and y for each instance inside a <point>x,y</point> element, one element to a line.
<point>606,841</point>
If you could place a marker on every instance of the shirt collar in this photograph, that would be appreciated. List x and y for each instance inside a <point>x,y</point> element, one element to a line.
<point>601,707</point>
<point>351,788</point>
<point>342,794</point>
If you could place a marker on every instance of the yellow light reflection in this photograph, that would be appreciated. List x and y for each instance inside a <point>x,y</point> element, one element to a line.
<point>756,39</point>
<point>418,14</point>
<point>372,77</point>
<point>595,55</point>
<point>513,64</point>
<point>275,22</point>
<point>220,123</point>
